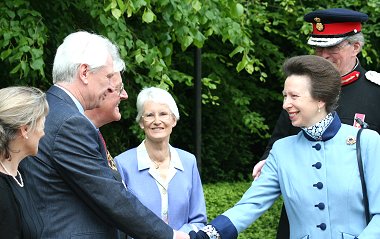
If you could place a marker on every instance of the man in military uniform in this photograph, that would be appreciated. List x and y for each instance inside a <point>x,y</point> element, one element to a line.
<point>338,38</point>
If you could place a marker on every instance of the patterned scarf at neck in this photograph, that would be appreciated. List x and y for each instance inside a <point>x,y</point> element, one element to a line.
<point>316,131</point>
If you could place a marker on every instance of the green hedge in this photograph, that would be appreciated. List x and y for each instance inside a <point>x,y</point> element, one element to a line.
<point>222,196</point>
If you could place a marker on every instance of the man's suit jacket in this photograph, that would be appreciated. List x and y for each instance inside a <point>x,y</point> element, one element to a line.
<point>73,187</point>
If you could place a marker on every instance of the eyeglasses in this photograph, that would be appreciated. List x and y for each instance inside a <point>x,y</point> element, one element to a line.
<point>121,89</point>
<point>331,49</point>
<point>162,116</point>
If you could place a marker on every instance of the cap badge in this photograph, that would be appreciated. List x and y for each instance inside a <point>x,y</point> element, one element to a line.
<point>318,25</point>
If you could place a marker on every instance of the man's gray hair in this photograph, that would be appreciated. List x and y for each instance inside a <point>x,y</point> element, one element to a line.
<point>84,48</point>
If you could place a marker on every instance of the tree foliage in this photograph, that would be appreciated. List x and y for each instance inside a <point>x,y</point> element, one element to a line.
<point>243,46</point>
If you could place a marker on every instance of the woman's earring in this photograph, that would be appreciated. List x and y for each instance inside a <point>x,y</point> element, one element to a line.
<point>319,110</point>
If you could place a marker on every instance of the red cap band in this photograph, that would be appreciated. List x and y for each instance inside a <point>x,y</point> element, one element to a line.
<point>338,28</point>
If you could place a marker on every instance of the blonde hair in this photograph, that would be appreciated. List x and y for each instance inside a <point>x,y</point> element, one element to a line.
<point>19,106</point>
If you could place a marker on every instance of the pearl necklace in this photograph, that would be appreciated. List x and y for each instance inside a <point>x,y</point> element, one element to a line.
<point>21,183</point>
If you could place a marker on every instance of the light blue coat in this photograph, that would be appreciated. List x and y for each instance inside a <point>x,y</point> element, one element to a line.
<point>323,202</point>
<point>186,203</point>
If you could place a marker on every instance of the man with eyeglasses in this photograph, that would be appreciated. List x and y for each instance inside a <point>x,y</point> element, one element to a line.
<point>108,111</point>
<point>337,37</point>
<point>69,179</point>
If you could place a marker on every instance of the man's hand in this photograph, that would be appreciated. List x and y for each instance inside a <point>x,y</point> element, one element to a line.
<point>257,169</point>
<point>181,235</point>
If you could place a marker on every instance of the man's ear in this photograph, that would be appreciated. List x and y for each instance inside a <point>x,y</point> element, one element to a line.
<point>357,47</point>
<point>84,70</point>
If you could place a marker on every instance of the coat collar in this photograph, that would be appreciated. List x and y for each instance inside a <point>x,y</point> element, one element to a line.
<point>143,160</point>
<point>352,76</point>
<point>331,130</point>
<point>65,95</point>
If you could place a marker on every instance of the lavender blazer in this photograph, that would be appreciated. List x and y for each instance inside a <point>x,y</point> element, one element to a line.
<point>186,203</point>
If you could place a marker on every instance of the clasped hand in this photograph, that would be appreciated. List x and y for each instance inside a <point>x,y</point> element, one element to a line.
<point>198,235</point>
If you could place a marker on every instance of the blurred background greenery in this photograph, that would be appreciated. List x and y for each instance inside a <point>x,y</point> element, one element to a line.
<point>222,196</point>
<point>243,45</point>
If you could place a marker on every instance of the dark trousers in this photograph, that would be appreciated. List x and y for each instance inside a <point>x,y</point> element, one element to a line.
<point>283,225</point>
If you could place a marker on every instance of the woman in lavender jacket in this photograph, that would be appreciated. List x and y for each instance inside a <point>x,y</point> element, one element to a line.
<point>165,179</point>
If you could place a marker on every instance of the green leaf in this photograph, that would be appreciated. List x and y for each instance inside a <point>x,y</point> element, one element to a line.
<point>15,69</point>
<point>103,20</point>
<point>199,39</point>
<point>249,68</point>
<point>113,4</point>
<point>23,65</point>
<point>167,51</point>
<point>237,10</point>
<point>11,14</point>
<point>209,32</point>
<point>241,65</point>
<point>122,6</point>
<point>37,64</point>
<point>186,42</point>
<point>139,58</point>
<point>166,79</point>
<point>110,6</point>
<point>7,35</point>
<point>148,16</point>
<point>5,54</point>
<point>116,13</point>
<point>196,5</point>
<point>238,49</point>
<point>24,48</point>
<point>178,15</point>
<point>36,53</point>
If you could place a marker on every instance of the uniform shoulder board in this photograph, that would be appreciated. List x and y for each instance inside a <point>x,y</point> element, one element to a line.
<point>373,76</point>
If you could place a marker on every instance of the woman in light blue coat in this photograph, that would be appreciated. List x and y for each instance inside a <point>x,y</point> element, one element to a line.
<point>165,179</point>
<point>315,171</point>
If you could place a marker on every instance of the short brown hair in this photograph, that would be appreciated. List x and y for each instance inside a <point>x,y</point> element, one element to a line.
<point>325,80</point>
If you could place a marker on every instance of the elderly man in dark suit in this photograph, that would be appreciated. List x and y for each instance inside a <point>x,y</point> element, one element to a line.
<point>70,181</point>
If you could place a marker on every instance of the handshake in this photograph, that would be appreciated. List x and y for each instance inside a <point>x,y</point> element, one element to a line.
<point>198,235</point>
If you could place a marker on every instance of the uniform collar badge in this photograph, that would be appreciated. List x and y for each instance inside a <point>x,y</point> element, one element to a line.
<point>350,77</point>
